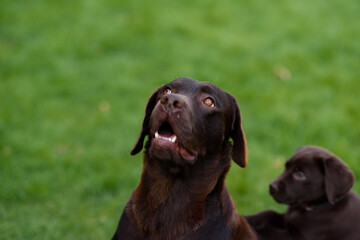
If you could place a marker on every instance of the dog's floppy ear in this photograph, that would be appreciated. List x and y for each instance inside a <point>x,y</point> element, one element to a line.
<point>338,178</point>
<point>145,130</point>
<point>239,150</point>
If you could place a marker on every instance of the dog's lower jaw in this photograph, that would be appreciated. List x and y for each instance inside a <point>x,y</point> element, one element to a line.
<point>171,152</point>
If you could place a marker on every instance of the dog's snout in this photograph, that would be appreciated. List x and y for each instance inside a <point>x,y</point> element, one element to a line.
<point>274,187</point>
<point>172,103</point>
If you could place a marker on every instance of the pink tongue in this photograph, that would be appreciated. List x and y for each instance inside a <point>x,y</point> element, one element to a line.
<point>186,155</point>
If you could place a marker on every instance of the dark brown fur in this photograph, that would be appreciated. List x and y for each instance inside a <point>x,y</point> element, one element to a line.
<point>316,186</point>
<point>182,194</point>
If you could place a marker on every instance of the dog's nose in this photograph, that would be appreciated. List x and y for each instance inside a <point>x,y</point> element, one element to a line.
<point>274,187</point>
<point>172,103</point>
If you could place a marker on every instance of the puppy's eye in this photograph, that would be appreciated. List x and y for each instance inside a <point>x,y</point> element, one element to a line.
<point>299,175</point>
<point>167,91</point>
<point>209,102</point>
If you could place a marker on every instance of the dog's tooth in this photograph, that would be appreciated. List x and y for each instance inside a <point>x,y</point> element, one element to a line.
<point>173,139</point>
<point>156,135</point>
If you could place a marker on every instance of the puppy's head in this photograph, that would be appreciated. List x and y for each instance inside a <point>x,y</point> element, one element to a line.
<point>186,120</point>
<point>312,175</point>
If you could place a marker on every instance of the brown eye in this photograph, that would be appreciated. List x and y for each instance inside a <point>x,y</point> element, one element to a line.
<point>209,102</point>
<point>167,91</point>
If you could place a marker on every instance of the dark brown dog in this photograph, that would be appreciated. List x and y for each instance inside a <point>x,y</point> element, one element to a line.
<point>182,194</point>
<point>316,185</point>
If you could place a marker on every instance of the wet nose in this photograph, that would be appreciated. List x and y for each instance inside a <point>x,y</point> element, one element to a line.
<point>274,187</point>
<point>172,103</point>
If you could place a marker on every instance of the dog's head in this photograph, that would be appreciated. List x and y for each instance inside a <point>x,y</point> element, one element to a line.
<point>313,175</point>
<point>186,120</point>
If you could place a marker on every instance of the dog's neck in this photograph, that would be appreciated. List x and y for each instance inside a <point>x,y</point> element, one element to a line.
<point>167,205</point>
<point>311,207</point>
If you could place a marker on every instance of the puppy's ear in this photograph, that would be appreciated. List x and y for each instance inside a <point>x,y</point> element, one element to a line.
<point>338,178</point>
<point>239,150</point>
<point>145,130</point>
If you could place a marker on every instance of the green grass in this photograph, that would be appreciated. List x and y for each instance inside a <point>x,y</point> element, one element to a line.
<point>75,77</point>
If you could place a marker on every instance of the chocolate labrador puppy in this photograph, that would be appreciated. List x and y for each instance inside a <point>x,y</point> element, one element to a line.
<point>316,185</point>
<point>182,194</point>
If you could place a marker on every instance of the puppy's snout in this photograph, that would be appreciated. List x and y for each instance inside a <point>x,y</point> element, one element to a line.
<point>172,103</point>
<point>274,187</point>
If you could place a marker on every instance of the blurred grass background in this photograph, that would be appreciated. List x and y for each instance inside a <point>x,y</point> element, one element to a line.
<point>75,77</point>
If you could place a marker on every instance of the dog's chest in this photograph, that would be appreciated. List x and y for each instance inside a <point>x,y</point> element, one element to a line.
<point>301,223</point>
<point>169,215</point>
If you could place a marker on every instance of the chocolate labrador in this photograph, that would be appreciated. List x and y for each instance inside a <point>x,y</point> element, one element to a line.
<point>316,185</point>
<point>182,194</point>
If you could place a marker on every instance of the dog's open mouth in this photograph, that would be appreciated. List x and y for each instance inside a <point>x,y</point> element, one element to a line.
<point>166,133</point>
